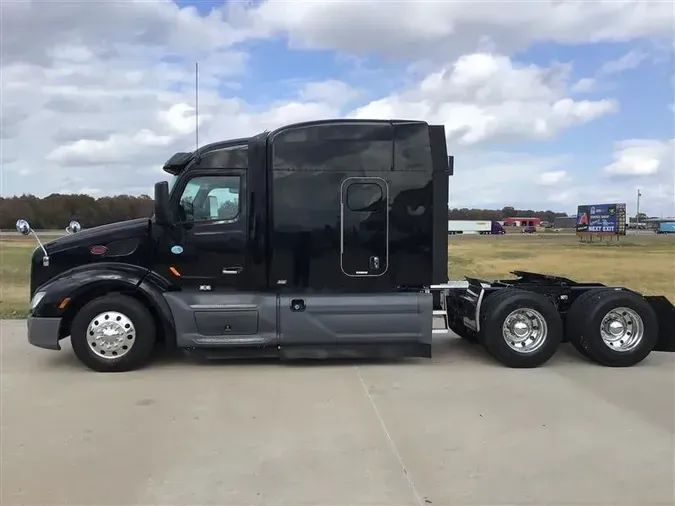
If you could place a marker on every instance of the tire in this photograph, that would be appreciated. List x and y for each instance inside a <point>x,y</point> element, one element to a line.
<point>637,327</point>
<point>130,350</point>
<point>574,316</point>
<point>509,306</point>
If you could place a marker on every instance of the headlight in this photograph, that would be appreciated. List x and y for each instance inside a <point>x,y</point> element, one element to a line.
<point>36,299</point>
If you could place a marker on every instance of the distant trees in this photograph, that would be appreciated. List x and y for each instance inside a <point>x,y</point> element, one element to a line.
<point>500,214</point>
<point>57,210</point>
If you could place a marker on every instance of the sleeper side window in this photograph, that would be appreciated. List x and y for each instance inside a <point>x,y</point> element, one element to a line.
<point>209,198</point>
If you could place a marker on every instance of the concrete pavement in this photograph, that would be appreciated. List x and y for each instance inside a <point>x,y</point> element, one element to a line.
<point>458,429</point>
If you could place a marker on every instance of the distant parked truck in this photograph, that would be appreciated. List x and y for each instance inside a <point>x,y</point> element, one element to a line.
<point>483,227</point>
<point>666,227</point>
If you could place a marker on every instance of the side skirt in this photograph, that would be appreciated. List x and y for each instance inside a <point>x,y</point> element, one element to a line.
<point>224,320</point>
<point>360,325</point>
<point>303,326</point>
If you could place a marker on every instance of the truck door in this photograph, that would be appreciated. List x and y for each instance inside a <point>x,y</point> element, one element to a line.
<point>364,226</point>
<point>208,243</point>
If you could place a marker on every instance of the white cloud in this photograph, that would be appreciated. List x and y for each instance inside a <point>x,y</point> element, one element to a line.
<point>412,29</point>
<point>584,85</point>
<point>127,114</point>
<point>484,97</point>
<point>629,61</point>
<point>645,164</point>
<point>331,91</point>
<point>643,157</point>
<point>552,178</point>
<point>36,32</point>
<point>600,82</point>
<point>496,179</point>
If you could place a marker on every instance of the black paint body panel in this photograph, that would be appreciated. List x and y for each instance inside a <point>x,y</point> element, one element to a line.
<point>306,223</point>
<point>126,242</point>
<point>321,240</point>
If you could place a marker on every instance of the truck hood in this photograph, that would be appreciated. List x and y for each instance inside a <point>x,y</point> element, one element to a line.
<point>99,235</point>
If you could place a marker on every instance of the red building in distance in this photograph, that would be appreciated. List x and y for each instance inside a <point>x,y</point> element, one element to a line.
<point>522,222</point>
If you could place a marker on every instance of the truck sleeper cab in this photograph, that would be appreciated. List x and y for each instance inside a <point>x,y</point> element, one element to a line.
<point>323,239</point>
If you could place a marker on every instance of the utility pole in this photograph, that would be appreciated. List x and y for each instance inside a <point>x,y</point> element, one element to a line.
<point>637,213</point>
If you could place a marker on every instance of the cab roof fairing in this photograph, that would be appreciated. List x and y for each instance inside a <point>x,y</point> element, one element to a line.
<point>180,161</point>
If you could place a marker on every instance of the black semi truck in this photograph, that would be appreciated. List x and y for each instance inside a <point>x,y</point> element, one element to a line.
<point>323,239</point>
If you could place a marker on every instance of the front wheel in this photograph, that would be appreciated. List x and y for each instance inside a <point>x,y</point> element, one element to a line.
<point>113,333</point>
<point>519,328</point>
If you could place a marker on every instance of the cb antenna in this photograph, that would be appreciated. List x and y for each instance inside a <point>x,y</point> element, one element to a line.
<point>196,105</point>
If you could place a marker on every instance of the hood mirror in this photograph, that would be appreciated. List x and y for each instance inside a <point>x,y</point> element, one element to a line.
<point>73,228</point>
<point>23,227</point>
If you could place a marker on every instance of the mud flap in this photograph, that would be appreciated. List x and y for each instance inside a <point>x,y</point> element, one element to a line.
<point>665,313</point>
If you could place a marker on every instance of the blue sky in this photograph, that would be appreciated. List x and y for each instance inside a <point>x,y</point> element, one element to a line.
<point>547,105</point>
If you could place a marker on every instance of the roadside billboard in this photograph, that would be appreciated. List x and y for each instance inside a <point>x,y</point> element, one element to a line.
<point>602,219</point>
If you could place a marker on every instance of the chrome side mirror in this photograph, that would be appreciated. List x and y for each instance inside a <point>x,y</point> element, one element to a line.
<point>23,227</point>
<point>73,228</point>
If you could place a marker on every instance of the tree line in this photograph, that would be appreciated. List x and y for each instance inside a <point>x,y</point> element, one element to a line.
<point>500,214</point>
<point>57,210</point>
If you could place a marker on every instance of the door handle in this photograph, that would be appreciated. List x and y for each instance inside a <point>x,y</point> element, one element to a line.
<point>232,270</point>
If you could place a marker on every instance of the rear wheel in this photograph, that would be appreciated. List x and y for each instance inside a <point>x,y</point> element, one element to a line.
<point>113,333</point>
<point>574,316</point>
<point>520,328</point>
<point>616,328</point>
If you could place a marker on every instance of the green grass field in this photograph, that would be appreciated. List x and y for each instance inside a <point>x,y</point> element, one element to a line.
<point>643,263</point>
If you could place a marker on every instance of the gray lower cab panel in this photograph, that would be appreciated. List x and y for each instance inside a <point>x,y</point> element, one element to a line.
<point>356,325</point>
<point>306,325</point>
<point>223,320</point>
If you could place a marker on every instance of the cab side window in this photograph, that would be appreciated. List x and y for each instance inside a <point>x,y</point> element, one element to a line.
<point>207,198</point>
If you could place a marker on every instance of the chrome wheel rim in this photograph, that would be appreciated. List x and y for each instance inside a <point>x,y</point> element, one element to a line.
<point>111,335</point>
<point>622,329</point>
<point>525,330</point>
